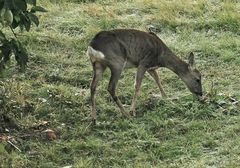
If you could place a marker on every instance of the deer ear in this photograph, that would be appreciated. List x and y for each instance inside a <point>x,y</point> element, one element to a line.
<point>191,62</point>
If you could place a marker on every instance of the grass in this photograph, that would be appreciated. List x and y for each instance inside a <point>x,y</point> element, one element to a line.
<point>177,132</point>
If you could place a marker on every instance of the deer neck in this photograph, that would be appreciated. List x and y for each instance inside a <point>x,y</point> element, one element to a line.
<point>175,64</point>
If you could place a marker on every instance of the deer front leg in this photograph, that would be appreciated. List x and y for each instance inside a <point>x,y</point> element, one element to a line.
<point>138,80</point>
<point>115,75</point>
<point>98,70</point>
<point>155,76</point>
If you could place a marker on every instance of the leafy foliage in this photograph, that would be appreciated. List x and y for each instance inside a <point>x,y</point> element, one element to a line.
<point>16,13</point>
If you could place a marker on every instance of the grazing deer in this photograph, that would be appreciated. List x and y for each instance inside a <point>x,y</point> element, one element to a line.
<point>127,48</point>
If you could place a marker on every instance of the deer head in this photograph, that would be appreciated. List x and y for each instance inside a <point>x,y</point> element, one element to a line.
<point>193,77</point>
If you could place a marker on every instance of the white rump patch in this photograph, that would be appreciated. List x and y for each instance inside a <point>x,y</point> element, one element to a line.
<point>94,55</point>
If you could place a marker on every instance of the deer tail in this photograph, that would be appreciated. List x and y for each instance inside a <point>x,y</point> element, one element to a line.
<point>94,55</point>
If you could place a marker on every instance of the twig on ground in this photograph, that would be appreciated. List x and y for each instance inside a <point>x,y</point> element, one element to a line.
<point>13,145</point>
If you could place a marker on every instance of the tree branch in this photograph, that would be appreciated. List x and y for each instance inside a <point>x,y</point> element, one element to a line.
<point>13,32</point>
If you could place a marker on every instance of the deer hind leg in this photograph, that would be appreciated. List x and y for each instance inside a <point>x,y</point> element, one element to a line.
<point>98,70</point>
<point>138,80</point>
<point>155,76</point>
<point>115,75</point>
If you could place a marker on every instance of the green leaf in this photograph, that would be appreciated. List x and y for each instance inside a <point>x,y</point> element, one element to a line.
<point>27,25</point>
<point>21,54</point>
<point>15,23</point>
<point>32,2</point>
<point>25,21</point>
<point>20,5</point>
<point>1,4</point>
<point>7,17</point>
<point>38,9</point>
<point>17,18</point>
<point>8,4</point>
<point>6,51</point>
<point>2,36</point>
<point>2,67</point>
<point>33,18</point>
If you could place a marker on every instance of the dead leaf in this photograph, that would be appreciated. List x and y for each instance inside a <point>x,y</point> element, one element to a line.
<point>4,138</point>
<point>50,134</point>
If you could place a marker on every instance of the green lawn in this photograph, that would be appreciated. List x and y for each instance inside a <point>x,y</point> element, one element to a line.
<point>178,131</point>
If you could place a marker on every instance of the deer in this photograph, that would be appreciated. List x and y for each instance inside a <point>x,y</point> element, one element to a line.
<point>120,49</point>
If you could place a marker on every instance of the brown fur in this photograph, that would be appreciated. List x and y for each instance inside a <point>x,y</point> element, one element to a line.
<point>127,48</point>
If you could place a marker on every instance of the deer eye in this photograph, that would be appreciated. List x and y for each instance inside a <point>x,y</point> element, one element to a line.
<point>198,80</point>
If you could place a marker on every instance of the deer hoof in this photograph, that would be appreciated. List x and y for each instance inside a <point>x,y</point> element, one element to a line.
<point>133,113</point>
<point>94,121</point>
